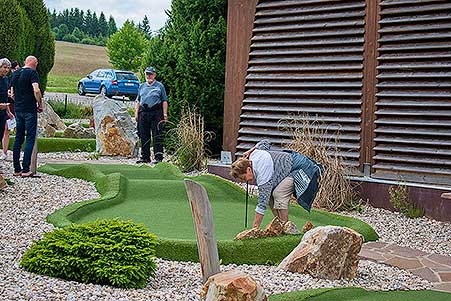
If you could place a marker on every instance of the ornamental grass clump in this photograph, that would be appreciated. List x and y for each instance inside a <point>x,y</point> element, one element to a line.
<point>315,140</point>
<point>187,142</point>
<point>108,252</point>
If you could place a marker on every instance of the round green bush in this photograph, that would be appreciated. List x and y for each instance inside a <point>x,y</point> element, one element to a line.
<point>110,252</point>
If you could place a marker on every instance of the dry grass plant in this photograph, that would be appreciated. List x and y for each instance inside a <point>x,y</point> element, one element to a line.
<point>319,142</point>
<point>187,142</point>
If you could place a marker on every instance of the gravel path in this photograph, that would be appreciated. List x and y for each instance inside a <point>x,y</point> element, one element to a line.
<point>424,234</point>
<point>25,205</point>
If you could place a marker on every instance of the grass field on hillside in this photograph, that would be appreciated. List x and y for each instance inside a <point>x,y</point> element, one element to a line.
<point>73,62</point>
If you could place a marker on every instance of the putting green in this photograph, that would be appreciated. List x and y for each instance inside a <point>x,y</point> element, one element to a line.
<point>359,294</point>
<point>156,197</point>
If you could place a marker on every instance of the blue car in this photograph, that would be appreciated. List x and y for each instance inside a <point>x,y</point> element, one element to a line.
<point>110,82</point>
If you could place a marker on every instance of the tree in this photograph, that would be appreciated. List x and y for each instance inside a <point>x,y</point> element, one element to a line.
<point>190,55</point>
<point>126,47</point>
<point>145,27</point>
<point>103,25</point>
<point>25,30</point>
<point>112,29</point>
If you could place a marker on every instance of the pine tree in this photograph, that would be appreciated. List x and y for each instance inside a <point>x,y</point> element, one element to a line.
<point>95,25</point>
<point>145,27</point>
<point>87,23</point>
<point>103,25</point>
<point>112,29</point>
<point>11,29</point>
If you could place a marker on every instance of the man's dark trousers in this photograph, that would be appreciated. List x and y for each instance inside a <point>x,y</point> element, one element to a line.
<point>26,124</point>
<point>3,118</point>
<point>150,121</point>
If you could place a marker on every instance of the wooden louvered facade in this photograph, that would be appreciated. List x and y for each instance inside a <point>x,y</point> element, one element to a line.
<point>380,70</point>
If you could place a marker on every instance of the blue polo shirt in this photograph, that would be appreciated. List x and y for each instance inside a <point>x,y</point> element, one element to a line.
<point>151,94</point>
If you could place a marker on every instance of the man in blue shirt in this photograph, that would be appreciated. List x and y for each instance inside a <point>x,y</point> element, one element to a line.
<point>151,113</point>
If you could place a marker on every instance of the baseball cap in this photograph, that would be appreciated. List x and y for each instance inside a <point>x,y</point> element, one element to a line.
<point>150,70</point>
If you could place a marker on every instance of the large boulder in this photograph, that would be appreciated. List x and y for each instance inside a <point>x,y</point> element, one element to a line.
<point>76,130</point>
<point>274,228</point>
<point>49,121</point>
<point>232,286</point>
<point>115,130</point>
<point>328,252</point>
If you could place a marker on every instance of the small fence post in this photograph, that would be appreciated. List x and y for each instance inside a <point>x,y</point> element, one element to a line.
<point>65,104</point>
<point>205,231</point>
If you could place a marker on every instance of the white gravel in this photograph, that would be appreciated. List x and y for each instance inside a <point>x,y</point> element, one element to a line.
<point>424,234</point>
<point>25,205</point>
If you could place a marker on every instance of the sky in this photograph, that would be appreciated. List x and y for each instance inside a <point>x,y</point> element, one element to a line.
<point>121,10</point>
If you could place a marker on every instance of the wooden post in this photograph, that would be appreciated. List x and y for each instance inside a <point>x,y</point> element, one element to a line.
<point>205,231</point>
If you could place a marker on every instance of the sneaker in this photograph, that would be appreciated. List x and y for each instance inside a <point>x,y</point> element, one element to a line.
<point>156,161</point>
<point>3,156</point>
<point>142,161</point>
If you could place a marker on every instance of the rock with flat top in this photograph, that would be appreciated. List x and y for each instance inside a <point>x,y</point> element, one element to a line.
<point>328,252</point>
<point>115,130</point>
<point>76,130</point>
<point>232,286</point>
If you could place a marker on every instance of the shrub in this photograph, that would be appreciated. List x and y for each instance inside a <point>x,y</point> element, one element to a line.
<point>70,110</point>
<point>187,141</point>
<point>51,145</point>
<point>399,198</point>
<point>312,139</point>
<point>110,252</point>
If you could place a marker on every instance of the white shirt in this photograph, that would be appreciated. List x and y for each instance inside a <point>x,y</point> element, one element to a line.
<point>262,166</point>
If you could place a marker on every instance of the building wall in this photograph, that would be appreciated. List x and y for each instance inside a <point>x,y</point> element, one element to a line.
<point>377,71</point>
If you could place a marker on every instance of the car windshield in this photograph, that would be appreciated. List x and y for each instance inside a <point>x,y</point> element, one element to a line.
<point>125,76</point>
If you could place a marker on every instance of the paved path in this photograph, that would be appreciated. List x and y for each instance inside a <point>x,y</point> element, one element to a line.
<point>432,267</point>
<point>83,100</point>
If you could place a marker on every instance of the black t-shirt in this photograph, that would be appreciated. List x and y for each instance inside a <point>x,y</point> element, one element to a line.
<point>3,89</point>
<point>24,100</point>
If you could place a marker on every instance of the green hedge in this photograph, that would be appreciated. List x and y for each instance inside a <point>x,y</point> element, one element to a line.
<point>50,145</point>
<point>110,252</point>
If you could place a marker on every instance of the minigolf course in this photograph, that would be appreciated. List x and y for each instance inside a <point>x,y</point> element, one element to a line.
<point>156,197</point>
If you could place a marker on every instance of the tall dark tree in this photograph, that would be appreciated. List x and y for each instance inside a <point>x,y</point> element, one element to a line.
<point>11,29</point>
<point>190,56</point>
<point>103,25</point>
<point>145,27</point>
<point>94,27</point>
<point>87,23</point>
<point>112,28</point>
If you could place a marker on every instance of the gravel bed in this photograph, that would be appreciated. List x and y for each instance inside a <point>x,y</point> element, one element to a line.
<point>24,206</point>
<point>423,233</point>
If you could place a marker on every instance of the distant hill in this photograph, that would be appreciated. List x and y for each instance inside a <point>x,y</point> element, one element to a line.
<point>78,59</point>
<point>73,62</point>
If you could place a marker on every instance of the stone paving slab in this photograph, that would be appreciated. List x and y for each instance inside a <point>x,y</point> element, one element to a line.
<point>432,267</point>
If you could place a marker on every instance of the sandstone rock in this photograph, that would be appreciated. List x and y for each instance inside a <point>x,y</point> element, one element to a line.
<point>76,130</point>
<point>49,121</point>
<point>232,286</point>
<point>328,252</point>
<point>250,233</point>
<point>307,227</point>
<point>274,228</point>
<point>3,183</point>
<point>115,130</point>
<point>290,228</point>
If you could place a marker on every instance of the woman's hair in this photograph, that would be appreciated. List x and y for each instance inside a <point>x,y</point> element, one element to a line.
<point>239,167</point>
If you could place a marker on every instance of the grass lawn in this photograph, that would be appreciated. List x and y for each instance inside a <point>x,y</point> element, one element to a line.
<point>73,62</point>
<point>156,197</point>
<point>359,294</point>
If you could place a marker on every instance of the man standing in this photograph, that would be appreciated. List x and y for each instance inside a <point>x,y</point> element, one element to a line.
<point>27,103</point>
<point>151,113</point>
<point>5,65</point>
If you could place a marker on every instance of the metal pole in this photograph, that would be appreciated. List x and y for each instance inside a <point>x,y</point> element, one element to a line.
<point>65,105</point>
<point>247,200</point>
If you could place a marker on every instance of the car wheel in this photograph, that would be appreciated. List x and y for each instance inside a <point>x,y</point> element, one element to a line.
<point>103,91</point>
<point>81,89</point>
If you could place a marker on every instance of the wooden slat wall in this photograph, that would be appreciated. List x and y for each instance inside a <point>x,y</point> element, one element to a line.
<point>413,108</point>
<point>306,57</point>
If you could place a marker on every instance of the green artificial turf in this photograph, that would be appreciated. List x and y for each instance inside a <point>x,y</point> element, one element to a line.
<point>50,145</point>
<point>359,294</point>
<point>156,197</point>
